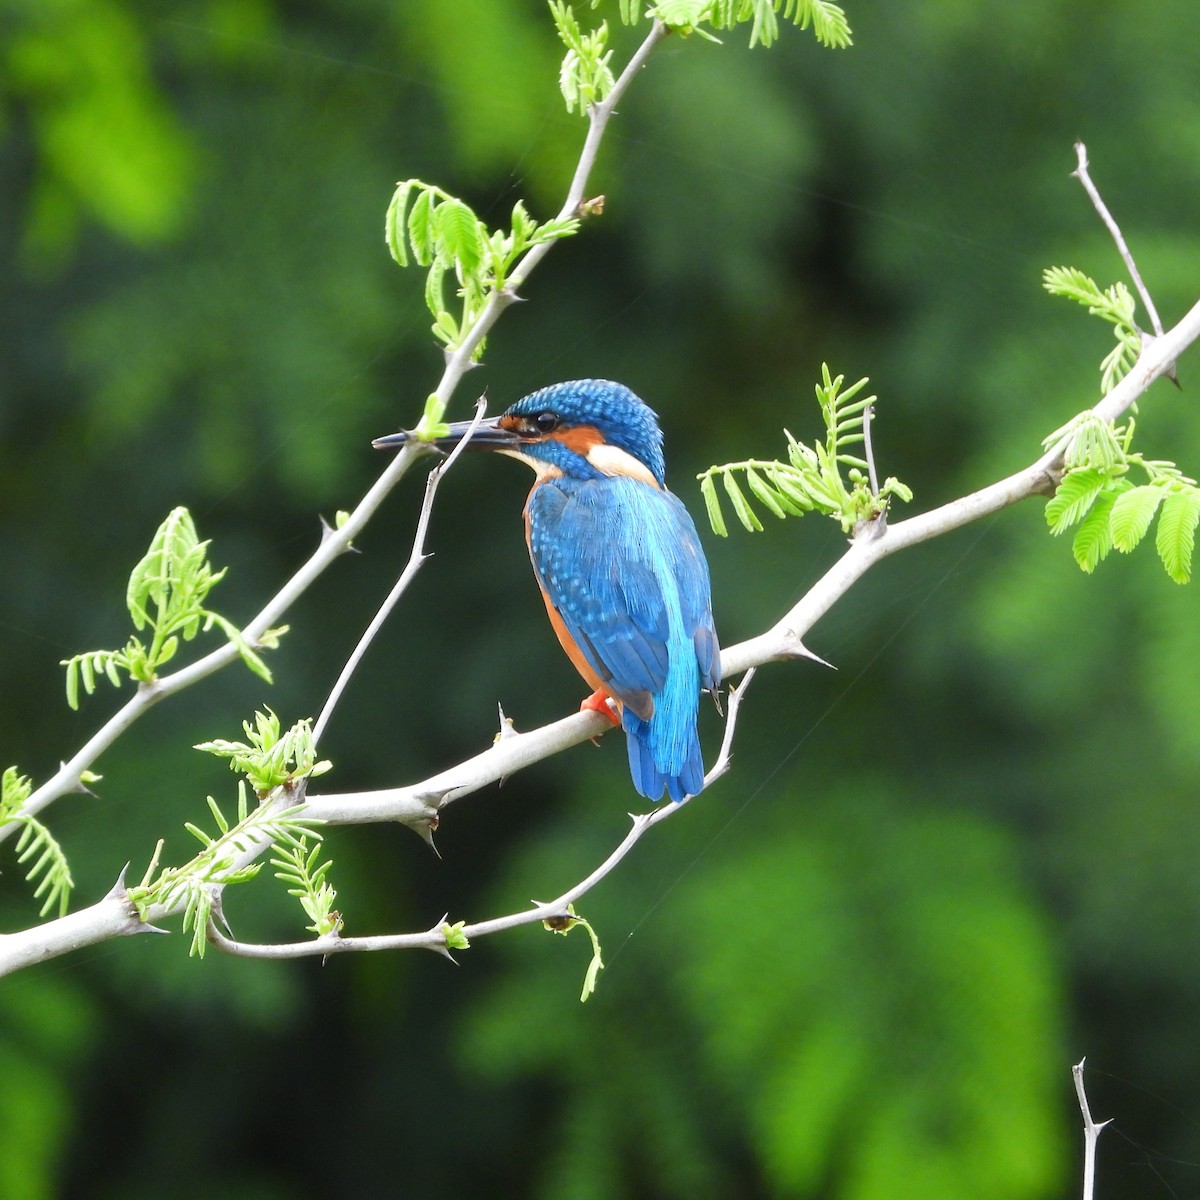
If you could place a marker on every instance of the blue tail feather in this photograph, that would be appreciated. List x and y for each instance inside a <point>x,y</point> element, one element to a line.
<point>649,778</point>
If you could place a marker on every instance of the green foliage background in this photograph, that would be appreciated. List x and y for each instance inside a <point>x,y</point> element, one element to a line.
<point>860,967</point>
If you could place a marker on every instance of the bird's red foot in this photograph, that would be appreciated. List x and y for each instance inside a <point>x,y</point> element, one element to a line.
<point>598,702</point>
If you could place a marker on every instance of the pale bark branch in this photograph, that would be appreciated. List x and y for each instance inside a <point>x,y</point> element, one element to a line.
<point>1091,1132</point>
<point>68,777</point>
<point>420,805</point>
<point>1081,173</point>
<point>557,909</point>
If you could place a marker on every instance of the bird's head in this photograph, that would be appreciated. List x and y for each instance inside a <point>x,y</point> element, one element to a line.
<point>585,429</point>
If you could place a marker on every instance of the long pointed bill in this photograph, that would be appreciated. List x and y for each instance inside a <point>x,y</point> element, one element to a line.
<point>488,435</point>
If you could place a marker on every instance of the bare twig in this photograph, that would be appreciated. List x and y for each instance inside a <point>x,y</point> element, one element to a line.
<point>868,450</point>
<point>416,560</point>
<point>1091,1132</point>
<point>1081,173</point>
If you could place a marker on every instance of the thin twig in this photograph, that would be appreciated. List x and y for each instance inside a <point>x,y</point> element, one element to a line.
<point>435,939</point>
<point>416,559</point>
<point>1081,173</point>
<point>868,450</point>
<point>1091,1132</point>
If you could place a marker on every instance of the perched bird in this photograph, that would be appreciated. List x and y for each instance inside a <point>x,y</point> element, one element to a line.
<point>619,565</point>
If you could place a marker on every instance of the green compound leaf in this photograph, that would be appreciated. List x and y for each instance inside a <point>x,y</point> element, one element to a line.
<point>824,476</point>
<point>269,757</point>
<point>37,846</point>
<point>586,74</point>
<point>680,14</point>
<point>1114,304</point>
<point>166,594</point>
<point>828,20</point>
<point>300,867</point>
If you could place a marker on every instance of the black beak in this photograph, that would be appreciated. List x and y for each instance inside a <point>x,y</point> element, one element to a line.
<point>488,435</point>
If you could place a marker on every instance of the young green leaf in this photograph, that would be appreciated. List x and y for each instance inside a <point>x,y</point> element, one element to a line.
<point>1074,496</point>
<point>455,938</point>
<point>15,789</point>
<point>708,489</point>
<point>393,225</point>
<point>1176,537</point>
<point>764,492</point>
<point>462,239</point>
<point>829,23</point>
<point>1132,513</point>
<point>36,842</point>
<point>682,14</point>
<point>434,298</point>
<point>741,508</point>
<point>421,229</point>
<point>1093,538</point>
<point>792,503</point>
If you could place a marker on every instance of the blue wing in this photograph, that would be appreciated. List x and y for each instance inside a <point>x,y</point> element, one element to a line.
<point>622,565</point>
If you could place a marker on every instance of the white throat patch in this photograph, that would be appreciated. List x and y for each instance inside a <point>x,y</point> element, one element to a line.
<point>612,460</point>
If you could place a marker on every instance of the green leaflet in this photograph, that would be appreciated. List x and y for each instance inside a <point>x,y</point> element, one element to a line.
<point>1073,498</point>
<point>1093,538</point>
<point>1132,514</point>
<point>1177,533</point>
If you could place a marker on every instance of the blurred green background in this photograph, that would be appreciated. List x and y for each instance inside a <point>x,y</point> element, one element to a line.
<point>862,965</point>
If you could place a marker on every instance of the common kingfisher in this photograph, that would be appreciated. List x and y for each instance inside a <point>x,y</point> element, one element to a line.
<point>619,565</point>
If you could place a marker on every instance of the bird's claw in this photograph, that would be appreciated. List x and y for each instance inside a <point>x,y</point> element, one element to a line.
<point>598,702</point>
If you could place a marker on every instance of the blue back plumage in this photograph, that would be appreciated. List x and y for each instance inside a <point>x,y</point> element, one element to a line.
<point>620,562</point>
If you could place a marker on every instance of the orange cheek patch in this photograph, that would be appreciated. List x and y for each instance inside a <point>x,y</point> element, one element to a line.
<point>580,438</point>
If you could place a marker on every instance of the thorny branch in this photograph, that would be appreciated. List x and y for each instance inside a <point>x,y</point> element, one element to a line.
<point>557,909</point>
<point>1091,1132</point>
<point>419,805</point>
<point>422,802</point>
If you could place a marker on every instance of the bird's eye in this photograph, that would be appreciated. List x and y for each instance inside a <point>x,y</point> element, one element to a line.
<point>546,422</point>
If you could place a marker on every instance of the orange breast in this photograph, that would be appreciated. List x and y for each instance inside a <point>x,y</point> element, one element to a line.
<point>566,641</point>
